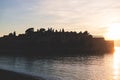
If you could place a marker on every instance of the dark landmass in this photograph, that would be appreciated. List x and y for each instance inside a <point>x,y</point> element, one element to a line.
<point>52,42</point>
<point>9,75</point>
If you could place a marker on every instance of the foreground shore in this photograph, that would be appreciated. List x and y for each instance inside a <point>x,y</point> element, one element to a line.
<point>9,75</point>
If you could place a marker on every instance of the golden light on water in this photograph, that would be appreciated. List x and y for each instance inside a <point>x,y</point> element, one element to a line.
<point>113,32</point>
<point>116,63</point>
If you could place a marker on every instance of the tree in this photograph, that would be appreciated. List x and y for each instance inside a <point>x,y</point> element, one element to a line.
<point>85,33</point>
<point>42,30</point>
<point>30,30</point>
<point>14,33</point>
<point>63,30</point>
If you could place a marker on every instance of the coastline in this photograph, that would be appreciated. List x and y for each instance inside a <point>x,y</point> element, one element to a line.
<point>10,75</point>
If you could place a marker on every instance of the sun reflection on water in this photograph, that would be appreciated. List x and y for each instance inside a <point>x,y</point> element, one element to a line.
<point>116,63</point>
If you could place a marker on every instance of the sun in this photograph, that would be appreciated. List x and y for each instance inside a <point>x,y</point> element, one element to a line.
<point>113,32</point>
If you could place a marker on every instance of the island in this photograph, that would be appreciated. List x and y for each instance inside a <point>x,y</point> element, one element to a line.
<point>48,42</point>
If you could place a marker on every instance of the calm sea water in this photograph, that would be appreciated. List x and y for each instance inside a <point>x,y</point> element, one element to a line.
<point>89,67</point>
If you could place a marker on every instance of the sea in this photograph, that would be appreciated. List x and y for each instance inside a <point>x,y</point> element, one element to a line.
<point>85,67</point>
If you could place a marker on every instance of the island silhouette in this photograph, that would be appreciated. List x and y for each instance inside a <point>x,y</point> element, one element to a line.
<point>53,42</point>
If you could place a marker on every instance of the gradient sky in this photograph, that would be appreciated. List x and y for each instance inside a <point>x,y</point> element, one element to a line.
<point>76,15</point>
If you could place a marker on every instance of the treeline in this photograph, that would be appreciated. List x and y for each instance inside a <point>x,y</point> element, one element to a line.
<point>30,33</point>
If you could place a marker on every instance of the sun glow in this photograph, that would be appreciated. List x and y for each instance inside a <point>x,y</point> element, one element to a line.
<point>117,57</point>
<point>113,32</point>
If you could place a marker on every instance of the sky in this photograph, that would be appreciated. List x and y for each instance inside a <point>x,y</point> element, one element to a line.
<point>95,16</point>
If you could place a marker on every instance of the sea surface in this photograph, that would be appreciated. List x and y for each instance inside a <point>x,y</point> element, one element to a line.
<point>84,67</point>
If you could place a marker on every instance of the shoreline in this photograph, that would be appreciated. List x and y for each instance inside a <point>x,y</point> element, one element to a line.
<point>10,75</point>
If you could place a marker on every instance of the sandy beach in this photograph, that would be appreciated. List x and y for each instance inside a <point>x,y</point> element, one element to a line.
<point>9,75</point>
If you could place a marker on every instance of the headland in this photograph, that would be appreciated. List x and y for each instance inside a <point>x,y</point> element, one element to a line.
<point>53,42</point>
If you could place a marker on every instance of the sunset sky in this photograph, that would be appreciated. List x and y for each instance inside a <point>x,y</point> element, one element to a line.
<point>96,16</point>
